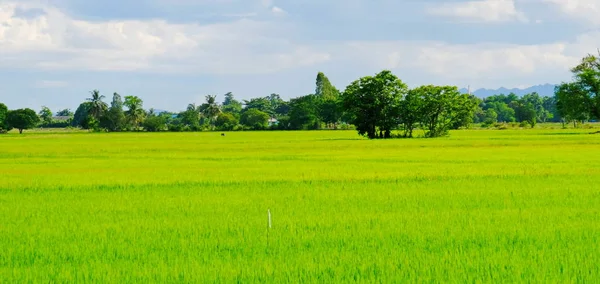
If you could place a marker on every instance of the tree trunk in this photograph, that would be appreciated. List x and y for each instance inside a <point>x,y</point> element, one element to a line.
<point>20,131</point>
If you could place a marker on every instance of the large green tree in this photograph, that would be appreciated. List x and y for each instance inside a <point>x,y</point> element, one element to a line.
<point>154,122</point>
<point>135,111</point>
<point>304,113</point>
<point>98,107</point>
<point>442,107</point>
<point>325,89</point>
<point>329,101</point>
<point>210,109</point>
<point>573,102</point>
<point>587,75</point>
<point>190,118</point>
<point>114,119</point>
<point>255,119</point>
<point>231,105</point>
<point>226,121</point>
<point>3,123</point>
<point>83,118</point>
<point>374,103</point>
<point>46,115</point>
<point>411,109</point>
<point>22,119</point>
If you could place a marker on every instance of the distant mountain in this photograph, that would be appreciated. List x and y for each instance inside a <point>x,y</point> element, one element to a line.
<point>542,90</point>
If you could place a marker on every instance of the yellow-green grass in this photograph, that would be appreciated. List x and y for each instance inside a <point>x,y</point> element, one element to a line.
<point>479,206</point>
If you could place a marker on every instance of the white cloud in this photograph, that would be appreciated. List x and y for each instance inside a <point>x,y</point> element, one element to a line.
<point>479,11</point>
<point>53,40</point>
<point>267,3</point>
<point>480,65</point>
<point>277,10</point>
<point>51,84</point>
<point>587,10</point>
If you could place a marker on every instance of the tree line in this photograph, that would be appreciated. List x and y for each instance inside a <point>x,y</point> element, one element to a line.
<point>378,106</point>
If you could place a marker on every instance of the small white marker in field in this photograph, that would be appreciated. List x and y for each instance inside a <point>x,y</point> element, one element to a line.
<point>269,215</point>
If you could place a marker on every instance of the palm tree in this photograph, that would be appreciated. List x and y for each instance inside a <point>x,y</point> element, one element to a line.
<point>97,106</point>
<point>135,112</point>
<point>211,108</point>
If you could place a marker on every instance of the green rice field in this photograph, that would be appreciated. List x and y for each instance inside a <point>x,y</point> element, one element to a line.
<point>498,206</point>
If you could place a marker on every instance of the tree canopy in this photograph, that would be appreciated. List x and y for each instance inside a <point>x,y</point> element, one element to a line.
<point>22,119</point>
<point>374,103</point>
<point>4,127</point>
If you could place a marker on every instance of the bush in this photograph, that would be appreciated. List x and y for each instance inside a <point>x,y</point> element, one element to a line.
<point>175,127</point>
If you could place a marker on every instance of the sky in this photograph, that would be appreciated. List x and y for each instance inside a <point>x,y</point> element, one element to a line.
<point>175,52</point>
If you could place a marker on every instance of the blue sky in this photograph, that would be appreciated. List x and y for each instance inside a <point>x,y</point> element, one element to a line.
<point>174,52</point>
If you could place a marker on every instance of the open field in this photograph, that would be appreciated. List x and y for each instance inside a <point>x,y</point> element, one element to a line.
<point>482,205</point>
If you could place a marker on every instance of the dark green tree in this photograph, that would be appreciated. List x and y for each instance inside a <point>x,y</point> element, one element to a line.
<point>3,123</point>
<point>411,112</point>
<point>443,106</point>
<point>98,107</point>
<point>373,103</point>
<point>525,111</point>
<point>65,112</point>
<point>255,119</point>
<point>154,122</point>
<point>325,89</point>
<point>114,119</point>
<point>46,115</point>
<point>22,119</point>
<point>226,121</point>
<point>304,113</point>
<point>231,105</point>
<point>135,111</point>
<point>190,118</point>
<point>587,75</point>
<point>491,117</point>
<point>83,117</point>
<point>573,102</point>
<point>505,113</point>
<point>261,104</point>
<point>210,109</point>
<point>329,101</point>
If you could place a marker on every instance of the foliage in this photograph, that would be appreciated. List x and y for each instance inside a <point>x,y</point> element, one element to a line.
<point>97,106</point>
<point>491,117</point>
<point>154,123</point>
<point>4,127</point>
<point>135,112</point>
<point>374,103</point>
<point>255,119</point>
<point>573,102</point>
<point>83,117</point>
<point>210,109</point>
<point>22,119</point>
<point>325,90</point>
<point>442,107</point>
<point>226,121</point>
<point>231,105</point>
<point>587,76</point>
<point>304,113</point>
<point>45,115</point>
<point>579,100</point>
<point>65,112</point>
<point>411,111</point>
<point>114,120</point>
<point>261,104</point>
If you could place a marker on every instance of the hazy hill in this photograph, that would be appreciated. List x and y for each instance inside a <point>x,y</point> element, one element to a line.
<point>542,90</point>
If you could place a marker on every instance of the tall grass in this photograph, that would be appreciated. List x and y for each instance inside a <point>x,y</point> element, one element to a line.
<point>480,206</point>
